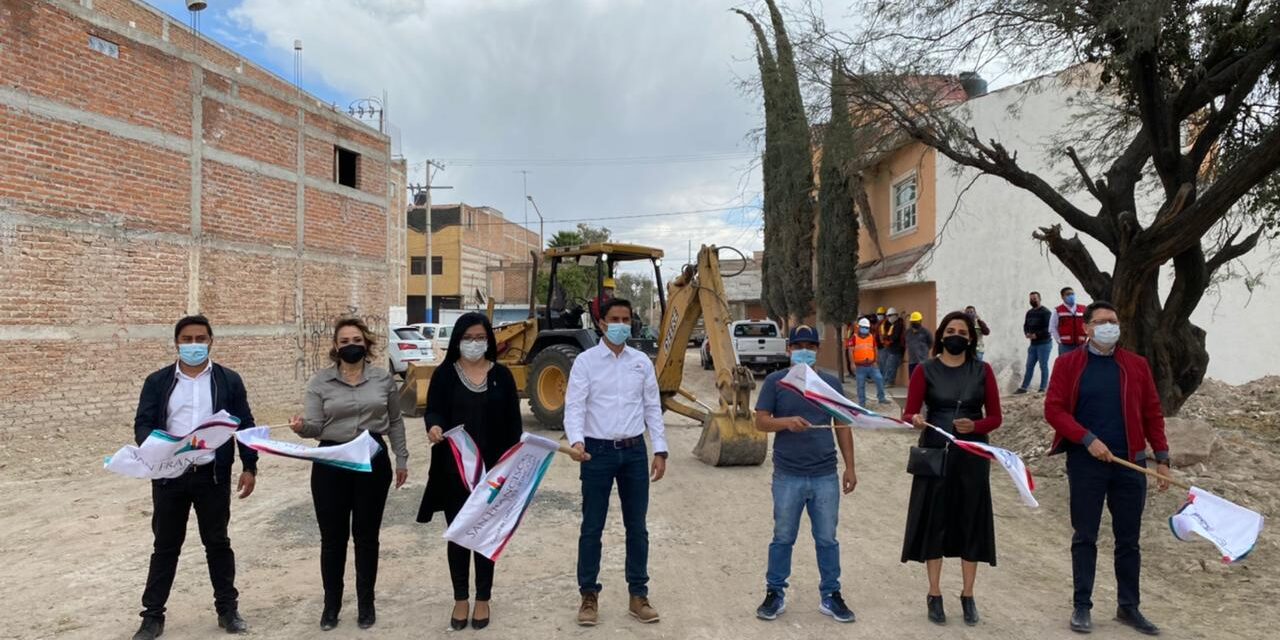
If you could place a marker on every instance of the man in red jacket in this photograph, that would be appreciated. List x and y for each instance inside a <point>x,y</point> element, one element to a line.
<point>1102,403</point>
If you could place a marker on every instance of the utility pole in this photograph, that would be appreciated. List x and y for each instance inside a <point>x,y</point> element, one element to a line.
<point>541,222</point>
<point>427,270</point>
<point>524,179</point>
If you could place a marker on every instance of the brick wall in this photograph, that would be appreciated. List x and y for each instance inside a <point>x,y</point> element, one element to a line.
<point>114,222</point>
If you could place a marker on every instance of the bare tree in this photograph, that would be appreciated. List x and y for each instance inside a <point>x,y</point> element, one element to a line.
<point>1187,94</point>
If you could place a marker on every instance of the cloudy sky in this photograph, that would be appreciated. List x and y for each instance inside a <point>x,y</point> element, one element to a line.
<point>622,109</point>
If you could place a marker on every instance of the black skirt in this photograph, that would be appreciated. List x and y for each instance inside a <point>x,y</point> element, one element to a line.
<point>951,516</point>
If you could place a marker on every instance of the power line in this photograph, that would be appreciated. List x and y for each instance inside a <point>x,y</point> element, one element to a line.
<point>610,161</point>
<point>629,216</point>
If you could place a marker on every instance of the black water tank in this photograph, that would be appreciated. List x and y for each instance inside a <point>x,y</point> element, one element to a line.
<point>973,84</point>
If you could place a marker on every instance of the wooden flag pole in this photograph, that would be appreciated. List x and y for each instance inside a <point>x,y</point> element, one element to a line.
<point>1125,463</point>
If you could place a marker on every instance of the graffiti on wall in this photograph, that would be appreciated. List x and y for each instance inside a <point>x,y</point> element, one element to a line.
<point>315,335</point>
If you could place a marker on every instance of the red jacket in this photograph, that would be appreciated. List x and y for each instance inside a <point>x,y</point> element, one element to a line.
<point>1143,417</point>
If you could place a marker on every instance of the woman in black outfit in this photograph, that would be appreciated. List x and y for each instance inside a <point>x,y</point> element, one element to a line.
<point>470,388</point>
<point>950,515</point>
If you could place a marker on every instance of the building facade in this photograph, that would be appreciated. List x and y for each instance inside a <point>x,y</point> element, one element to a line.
<point>476,254</point>
<point>945,238</point>
<point>149,173</point>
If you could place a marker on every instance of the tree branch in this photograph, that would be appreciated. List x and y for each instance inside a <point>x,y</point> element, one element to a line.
<point>1232,250</point>
<point>1084,175</point>
<point>1172,234</point>
<point>1073,254</point>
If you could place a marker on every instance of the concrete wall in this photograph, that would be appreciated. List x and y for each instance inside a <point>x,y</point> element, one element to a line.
<point>164,178</point>
<point>986,256</point>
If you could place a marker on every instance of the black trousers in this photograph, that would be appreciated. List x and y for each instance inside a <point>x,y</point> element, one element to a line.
<point>349,504</point>
<point>460,559</point>
<point>1125,493</point>
<point>171,502</point>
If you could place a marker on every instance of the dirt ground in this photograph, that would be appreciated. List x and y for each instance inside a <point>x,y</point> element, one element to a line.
<point>74,543</point>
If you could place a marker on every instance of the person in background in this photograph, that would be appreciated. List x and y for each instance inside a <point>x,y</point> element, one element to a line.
<point>177,399</point>
<point>612,399</point>
<point>1103,404</point>
<point>470,389</point>
<point>983,330</point>
<point>860,361</point>
<point>891,341</point>
<point>804,478</point>
<point>1036,328</point>
<point>919,343</point>
<point>949,515</point>
<point>880,313</point>
<point>1066,324</point>
<point>609,286</point>
<point>341,401</point>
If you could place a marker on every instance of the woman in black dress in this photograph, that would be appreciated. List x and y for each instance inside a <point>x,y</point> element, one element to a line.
<point>469,388</point>
<point>950,515</point>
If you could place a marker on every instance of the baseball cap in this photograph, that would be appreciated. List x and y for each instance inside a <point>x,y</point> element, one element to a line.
<point>803,333</point>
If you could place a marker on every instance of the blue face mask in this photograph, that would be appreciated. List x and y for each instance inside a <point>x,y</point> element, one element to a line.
<point>1071,299</point>
<point>804,356</point>
<point>864,332</point>
<point>618,333</point>
<point>194,354</point>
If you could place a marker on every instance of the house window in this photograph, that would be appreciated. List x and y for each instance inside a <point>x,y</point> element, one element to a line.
<point>437,265</point>
<point>346,167</point>
<point>417,266</point>
<point>904,205</point>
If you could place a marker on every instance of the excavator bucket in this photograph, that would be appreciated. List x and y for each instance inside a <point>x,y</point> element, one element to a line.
<point>413,393</point>
<point>727,441</point>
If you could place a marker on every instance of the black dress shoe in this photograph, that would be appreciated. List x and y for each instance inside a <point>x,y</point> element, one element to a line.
<point>970,609</point>
<point>457,625</point>
<point>936,614</point>
<point>367,617</point>
<point>1132,617</point>
<point>1081,620</point>
<point>328,619</point>
<point>151,629</point>
<point>480,623</point>
<point>232,622</point>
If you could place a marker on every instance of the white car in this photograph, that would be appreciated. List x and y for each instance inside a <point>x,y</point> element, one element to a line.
<point>442,338</point>
<point>407,344</point>
<point>429,331</point>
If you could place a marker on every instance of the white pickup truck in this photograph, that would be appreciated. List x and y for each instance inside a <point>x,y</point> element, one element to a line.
<point>758,345</point>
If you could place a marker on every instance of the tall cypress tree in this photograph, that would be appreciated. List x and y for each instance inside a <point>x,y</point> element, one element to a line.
<point>788,177</point>
<point>772,289</point>
<point>837,294</point>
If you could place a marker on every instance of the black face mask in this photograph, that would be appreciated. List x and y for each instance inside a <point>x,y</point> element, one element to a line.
<point>352,353</point>
<point>955,345</point>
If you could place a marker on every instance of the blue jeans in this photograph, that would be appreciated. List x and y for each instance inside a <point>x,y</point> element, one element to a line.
<point>861,374</point>
<point>820,495</point>
<point>1064,349</point>
<point>1037,354</point>
<point>630,468</point>
<point>889,363</point>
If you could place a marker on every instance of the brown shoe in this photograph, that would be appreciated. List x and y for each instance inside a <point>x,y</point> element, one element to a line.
<point>641,610</point>
<point>588,612</point>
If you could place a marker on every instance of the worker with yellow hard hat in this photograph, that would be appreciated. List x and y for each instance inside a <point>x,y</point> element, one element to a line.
<point>608,287</point>
<point>919,343</point>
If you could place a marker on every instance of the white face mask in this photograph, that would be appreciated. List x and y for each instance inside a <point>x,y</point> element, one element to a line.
<point>473,350</point>
<point>1106,335</point>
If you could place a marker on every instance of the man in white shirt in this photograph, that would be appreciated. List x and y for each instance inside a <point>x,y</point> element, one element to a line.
<point>612,398</point>
<point>177,398</point>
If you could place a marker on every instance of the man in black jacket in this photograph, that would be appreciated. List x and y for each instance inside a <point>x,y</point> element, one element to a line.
<point>176,399</point>
<point>1036,328</point>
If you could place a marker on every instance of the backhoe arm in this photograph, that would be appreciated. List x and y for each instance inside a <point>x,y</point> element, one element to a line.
<point>729,436</point>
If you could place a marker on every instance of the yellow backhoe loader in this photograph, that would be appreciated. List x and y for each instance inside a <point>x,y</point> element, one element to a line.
<point>540,350</point>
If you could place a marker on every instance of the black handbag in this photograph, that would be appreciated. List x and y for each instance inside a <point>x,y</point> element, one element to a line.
<point>927,462</point>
